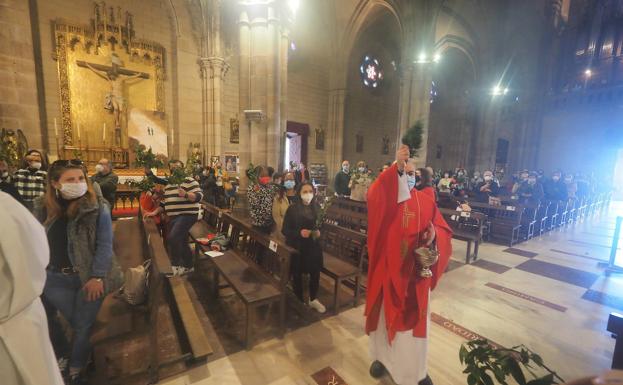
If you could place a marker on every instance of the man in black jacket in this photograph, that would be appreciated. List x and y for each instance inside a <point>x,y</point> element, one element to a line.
<point>107,180</point>
<point>342,180</point>
<point>554,188</point>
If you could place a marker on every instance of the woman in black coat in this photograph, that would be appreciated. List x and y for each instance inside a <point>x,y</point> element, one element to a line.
<point>299,228</point>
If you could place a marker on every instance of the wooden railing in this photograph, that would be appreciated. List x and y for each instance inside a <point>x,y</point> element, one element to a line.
<point>120,157</point>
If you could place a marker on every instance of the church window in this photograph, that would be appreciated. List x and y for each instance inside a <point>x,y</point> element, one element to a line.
<point>371,72</point>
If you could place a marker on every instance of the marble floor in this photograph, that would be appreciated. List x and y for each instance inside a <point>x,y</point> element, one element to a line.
<point>548,293</point>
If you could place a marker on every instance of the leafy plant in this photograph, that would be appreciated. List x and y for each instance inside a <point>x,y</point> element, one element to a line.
<point>413,137</point>
<point>146,158</point>
<point>485,362</point>
<point>178,176</point>
<point>321,213</point>
<point>144,185</point>
<point>252,175</point>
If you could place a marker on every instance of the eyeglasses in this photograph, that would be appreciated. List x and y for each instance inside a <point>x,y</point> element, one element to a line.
<point>67,163</point>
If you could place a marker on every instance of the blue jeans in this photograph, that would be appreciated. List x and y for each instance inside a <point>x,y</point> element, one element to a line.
<point>65,293</point>
<point>177,240</point>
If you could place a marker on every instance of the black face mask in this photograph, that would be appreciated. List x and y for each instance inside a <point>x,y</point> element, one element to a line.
<point>418,179</point>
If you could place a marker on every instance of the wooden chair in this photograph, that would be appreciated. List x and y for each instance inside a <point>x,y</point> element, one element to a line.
<point>343,252</point>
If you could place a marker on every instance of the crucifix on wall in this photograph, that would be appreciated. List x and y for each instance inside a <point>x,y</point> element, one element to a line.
<point>117,77</point>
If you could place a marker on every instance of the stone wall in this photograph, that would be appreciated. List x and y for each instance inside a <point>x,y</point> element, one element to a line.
<point>18,86</point>
<point>307,102</point>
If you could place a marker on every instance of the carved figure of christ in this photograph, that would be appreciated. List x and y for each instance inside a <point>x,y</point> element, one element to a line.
<point>117,77</point>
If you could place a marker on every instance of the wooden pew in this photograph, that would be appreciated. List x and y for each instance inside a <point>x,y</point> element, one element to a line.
<point>542,216</point>
<point>529,220</point>
<point>257,268</point>
<point>505,221</point>
<point>468,227</point>
<point>354,220</point>
<point>343,251</point>
<point>552,215</point>
<point>144,341</point>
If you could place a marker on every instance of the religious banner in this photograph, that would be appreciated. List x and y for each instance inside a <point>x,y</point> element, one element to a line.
<point>234,130</point>
<point>320,138</point>
<point>148,128</point>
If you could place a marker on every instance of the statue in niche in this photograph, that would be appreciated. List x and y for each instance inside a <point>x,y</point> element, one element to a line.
<point>117,77</point>
<point>320,138</point>
<point>385,147</point>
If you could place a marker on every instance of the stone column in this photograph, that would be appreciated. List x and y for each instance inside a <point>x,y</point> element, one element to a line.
<point>335,131</point>
<point>213,71</point>
<point>415,103</point>
<point>263,68</point>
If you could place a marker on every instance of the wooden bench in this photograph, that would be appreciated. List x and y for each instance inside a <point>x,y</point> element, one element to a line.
<point>256,267</point>
<point>145,341</point>
<point>343,252</point>
<point>505,221</point>
<point>466,226</point>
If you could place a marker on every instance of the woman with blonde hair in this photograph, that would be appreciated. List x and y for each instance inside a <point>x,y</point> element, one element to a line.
<point>81,270</point>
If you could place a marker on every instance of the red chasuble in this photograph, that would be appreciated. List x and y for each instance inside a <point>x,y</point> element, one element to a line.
<point>395,230</point>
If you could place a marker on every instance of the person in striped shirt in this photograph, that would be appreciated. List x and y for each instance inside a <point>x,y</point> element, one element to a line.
<point>30,180</point>
<point>181,205</point>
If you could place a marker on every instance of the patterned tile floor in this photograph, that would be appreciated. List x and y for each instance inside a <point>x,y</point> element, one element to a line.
<point>548,293</point>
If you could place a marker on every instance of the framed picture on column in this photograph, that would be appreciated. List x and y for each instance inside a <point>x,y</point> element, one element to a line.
<point>231,162</point>
<point>234,130</point>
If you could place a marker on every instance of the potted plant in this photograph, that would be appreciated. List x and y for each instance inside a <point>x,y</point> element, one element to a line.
<point>485,362</point>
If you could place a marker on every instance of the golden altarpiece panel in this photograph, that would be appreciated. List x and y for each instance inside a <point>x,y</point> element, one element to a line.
<point>106,75</point>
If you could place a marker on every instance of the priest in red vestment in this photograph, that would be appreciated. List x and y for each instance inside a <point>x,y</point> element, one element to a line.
<point>400,220</point>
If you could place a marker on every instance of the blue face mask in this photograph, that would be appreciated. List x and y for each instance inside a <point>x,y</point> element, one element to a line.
<point>411,181</point>
<point>289,184</point>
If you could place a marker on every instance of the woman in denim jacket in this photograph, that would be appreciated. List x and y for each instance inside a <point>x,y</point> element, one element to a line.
<point>82,269</point>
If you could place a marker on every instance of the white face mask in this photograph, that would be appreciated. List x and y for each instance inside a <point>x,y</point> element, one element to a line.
<point>219,183</point>
<point>488,177</point>
<point>5,174</point>
<point>35,165</point>
<point>73,190</point>
<point>205,173</point>
<point>362,169</point>
<point>307,198</point>
<point>99,168</point>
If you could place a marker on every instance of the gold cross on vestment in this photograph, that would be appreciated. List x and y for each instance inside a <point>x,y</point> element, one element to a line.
<point>407,215</point>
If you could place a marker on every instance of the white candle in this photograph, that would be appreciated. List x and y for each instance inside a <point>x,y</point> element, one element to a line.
<point>78,130</point>
<point>55,129</point>
<point>104,133</point>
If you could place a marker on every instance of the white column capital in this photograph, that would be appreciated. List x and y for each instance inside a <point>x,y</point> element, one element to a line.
<point>213,67</point>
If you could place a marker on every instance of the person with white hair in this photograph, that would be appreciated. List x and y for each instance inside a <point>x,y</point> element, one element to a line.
<point>26,355</point>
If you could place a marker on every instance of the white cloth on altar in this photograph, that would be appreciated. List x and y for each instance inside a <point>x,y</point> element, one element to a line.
<point>26,355</point>
<point>405,358</point>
